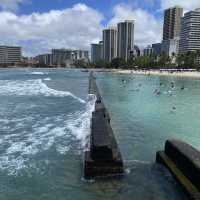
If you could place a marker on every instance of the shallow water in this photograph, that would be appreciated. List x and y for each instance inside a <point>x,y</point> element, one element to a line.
<point>44,127</point>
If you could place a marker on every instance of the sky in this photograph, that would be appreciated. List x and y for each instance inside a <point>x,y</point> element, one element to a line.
<point>40,25</point>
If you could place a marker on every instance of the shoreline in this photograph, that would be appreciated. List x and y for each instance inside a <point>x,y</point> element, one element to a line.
<point>172,72</point>
<point>159,73</point>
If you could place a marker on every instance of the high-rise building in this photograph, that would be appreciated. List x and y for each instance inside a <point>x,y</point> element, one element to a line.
<point>157,49</point>
<point>190,32</point>
<point>60,56</point>
<point>109,44</point>
<point>137,51</point>
<point>65,56</point>
<point>172,22</point>
<point>10,54</point>
<point>44,59</point>
<point>170,47</point>
<point>148,51</point>
<point>125,39</point>
<point>97,52</point>
<point>80,54</point>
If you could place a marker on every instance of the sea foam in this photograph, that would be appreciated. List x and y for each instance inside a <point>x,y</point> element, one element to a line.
<point>32,88</point>
<point>47,79</point>
<point>57,132</point>
<point>80,127</point>
<point>38,73</point>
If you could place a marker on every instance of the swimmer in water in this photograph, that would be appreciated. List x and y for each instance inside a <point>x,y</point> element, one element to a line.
<point>173,109</point>
<point>157,92</point>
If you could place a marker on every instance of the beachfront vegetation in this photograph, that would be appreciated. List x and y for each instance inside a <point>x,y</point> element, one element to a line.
<point>183,61</point>
<point>82,63</point>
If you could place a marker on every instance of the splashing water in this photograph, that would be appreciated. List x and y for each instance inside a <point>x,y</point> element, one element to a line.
<point>47,79</point>
<point>38,73</point>
<point>81,126</point>
<point>24,137</point>
<point>32,88</point>
<point>46,134</point>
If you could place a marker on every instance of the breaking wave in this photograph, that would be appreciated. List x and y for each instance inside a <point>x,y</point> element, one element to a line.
<point>50,132</point>
<point>47,79</point>
<point>80,127</point>
<point>32,88</point>
<point>38,73</point>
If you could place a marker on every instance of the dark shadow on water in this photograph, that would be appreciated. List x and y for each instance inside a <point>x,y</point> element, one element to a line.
<point>142,180</point>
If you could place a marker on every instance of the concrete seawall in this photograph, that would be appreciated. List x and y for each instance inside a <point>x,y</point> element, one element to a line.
<point>104,158</point>
<point>183,161</point>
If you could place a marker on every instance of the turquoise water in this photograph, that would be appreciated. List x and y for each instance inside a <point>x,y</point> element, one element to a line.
<point>147,119</point>
<point>44,126</point>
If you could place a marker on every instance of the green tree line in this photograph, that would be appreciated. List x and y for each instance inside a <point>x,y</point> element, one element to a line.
<point>184,61</point>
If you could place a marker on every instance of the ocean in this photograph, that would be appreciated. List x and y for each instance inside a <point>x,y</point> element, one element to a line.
<point>45,124</point>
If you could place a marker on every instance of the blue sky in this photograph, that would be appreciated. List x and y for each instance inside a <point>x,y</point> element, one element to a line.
<point>40,25</point>
<point>104,6</point>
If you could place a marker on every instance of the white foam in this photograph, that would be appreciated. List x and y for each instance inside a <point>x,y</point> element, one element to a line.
<point>138,161</point>
<point>127,170</point>
<point>47,79</point>
<point>38,73</point>
<point>32,88</point>
<point>80,127</point>
<point>22,146</point>
<point>62,149</point>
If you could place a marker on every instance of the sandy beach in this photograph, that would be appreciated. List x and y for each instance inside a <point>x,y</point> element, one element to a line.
<point>191,73</point>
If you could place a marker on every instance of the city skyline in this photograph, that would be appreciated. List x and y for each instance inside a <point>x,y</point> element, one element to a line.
<point>39,29</point>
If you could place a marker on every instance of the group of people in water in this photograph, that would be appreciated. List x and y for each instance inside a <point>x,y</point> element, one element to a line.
<point>157,91</point>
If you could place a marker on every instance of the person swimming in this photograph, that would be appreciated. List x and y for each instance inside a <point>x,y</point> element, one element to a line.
<point>124,81</point>
<point>173,109</point>
<point>157,92</point>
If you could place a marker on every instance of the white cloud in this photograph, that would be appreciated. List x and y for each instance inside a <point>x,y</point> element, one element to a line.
<point>11,4</point>
<point>148,29</point>
<point>74,27</point>
<point>186,4</point>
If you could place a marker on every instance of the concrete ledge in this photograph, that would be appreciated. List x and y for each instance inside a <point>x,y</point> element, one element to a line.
<point>186,158</point>
<point>182,160</point>
<point>103,157</point>
<point>101,168</point>
<point>100,143</point>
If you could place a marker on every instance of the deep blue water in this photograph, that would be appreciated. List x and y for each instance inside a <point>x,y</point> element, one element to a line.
<point>44,126</point>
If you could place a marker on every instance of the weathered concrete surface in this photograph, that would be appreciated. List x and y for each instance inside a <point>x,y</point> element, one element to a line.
<point>101,146</point>
<point>104,157</point>
<point>186,158</point>
<point>183,161</point>
<point>99,168</point>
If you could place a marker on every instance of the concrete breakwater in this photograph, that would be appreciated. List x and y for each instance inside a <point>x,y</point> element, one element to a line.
<point>103,158</point>
<point>183,161</point>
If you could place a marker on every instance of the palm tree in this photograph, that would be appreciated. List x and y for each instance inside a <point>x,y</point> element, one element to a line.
<point>173,58</point>
<point>198,59</point>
